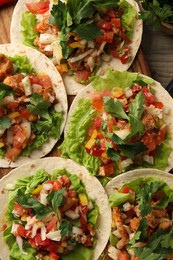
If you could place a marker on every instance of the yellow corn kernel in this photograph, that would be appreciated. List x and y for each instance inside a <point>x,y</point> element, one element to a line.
<point>13,115</point>
<point>76,45</point>
<point>90,143</point>
<point>63,67</point>
<point>1,144</point>
<point>32,118</point>
<point>117,92</point>
<point>23,218</point>
<point>94,134</point>
<point>83,199</point>
<point>37,190</point>
<point>104,155</point>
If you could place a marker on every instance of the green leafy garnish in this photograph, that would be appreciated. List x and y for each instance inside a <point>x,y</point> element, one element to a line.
<point>66,228</point>
<point>5,123</point>
<point>26,201</point>
<point>55,198</point>
<point>115,108</point>
<point>38,106</point>
<point>5,90</point>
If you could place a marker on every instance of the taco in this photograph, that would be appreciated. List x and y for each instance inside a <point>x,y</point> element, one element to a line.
<point>33,106</point>
<point>141,203</point>
<point>119,122</point>
<point>82,38</point>
<point>54,210</point>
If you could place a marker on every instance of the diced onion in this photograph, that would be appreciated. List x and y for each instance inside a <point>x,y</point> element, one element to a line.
<point>34,230</point>
<point>101,48</point>
<point>117,233</point>
<point>36,87</point>
<point>81,56</point>
<point>27,86</point>
<point>148,159</point>
<point>46,38</point>
<point>43,232</point>
<point>8,99</point>
<point>27,127</point>
<point>127,206</point>
<point>14,227</point>
<point>71,214</point>
<point>128,92</point>
<point>122,133</point>
<point>47,186</point>
<point>48,48</point>
<point>43,197</point>
<point>19,241</point>
<point>90,205</point>
<point>54,235</point>
<point>125,163</point>
<point>58,107</point>
<point>77,230</point>
<point>113,252</point>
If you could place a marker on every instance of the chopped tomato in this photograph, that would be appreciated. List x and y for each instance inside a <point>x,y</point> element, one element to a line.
<point>97,122</point>
<point>32,242</point>
<point>110,13</point>
<point>52,224</point>
<point>158,104</point>
<point>92,232</point>
<point>40,242</point>
<point>57,185</point>
<point>126,189</point>
<point>38,7</point>
<point>2,112</point>
<point>65,180</point>
<point>52,247</point>
<point>116,22</point>
<point>19,138</point>
<point>122,54</point>
<point>106,170</point>
<point>89,242</point>
<point>12,104</point>
<point>107,93</point>
<point>110,123</point>
<point>54,256</point>
<point>12,153</point>
<point>160,136</point>
<point>82,75</point>
<point>25,113</point>
<point>105,25</point>
<point>149,97</point>
<point>95,151</point>
<point>72,193</point>
<point>34,79</point>
<point>149,140</point>
<point>21,231</point>
<point>123,255</point>
<point>97,102</point>
<point>18,209</point>
<point>106,37</point>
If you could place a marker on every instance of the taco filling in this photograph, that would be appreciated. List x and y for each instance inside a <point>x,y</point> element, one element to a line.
<point>117,128</point>
<point>141,221</point>
<point>50,217</point>
<point>29,112</point>
<point>79,35</point>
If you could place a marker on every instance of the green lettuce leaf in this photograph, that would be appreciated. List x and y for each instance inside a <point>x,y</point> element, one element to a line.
<point>22,64</point>
<point>28,23</point>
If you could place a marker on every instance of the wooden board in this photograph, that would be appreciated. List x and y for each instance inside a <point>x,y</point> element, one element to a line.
<point>139,65</point>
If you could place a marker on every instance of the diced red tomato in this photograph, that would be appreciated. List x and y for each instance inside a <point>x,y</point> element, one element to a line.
<point>149,97</point>
<point>40,242</point>
<point>95,151</point>
<point>158,104</point>
<point>54,256</point>
<point>45,81</point>
<point>21,231</point>
<point>18,209</point>
<point>19,138</point>
<point>136,88</point>
<point>38,7</point>
<point>89,242</point>
<point>57,185</point>
<point>52,224</point>
<point>92,232</point>
<point>149,140</point>
<point>52,247</point>
<point>66,181</point>
<point>84,209</point>
<point>116,22</point>
<point>103,144</point>
<point>12,153</point>
<point>97,102</point>
<point>82,75</point>
<point>110,123</point>
<point>97,122</point>
<point>160,136</point>
<point>106,170</point>
<point>107,93</point>
<point>12,104</point>
<point>25,113</point>
<point>123,54</point>
<point>105,25</point>
<point>2,112</point>
<point>123,255</point>
<point>106,37</point>
<point>126,189</point>
<point>33,243</point>
<point>72,193</point>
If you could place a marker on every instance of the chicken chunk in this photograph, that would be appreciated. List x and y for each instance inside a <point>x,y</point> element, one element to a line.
<point>6,67</point>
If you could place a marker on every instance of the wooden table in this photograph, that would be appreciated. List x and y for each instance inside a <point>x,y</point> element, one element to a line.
<point>139,65</point>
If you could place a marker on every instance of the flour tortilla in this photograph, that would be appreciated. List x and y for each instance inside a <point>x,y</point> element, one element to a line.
<point>119,181</point>
<point>73,87</point>
<point>161,95</point>
<point>41,64</point>
<point>93,187</point>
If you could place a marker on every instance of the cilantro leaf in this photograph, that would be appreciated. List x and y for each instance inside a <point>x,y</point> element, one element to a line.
<point>83,29</point>
<point>136,110</point>
<point>38,106</point>
<point>111,153</point>
<point>5,122</point>
<point>114,108</point>
<point>5,90</point>
<point>133,149</point>
<point>26,201</point>
<point>66,228</point>
<point>55,198</point>
<point>115,138</point>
